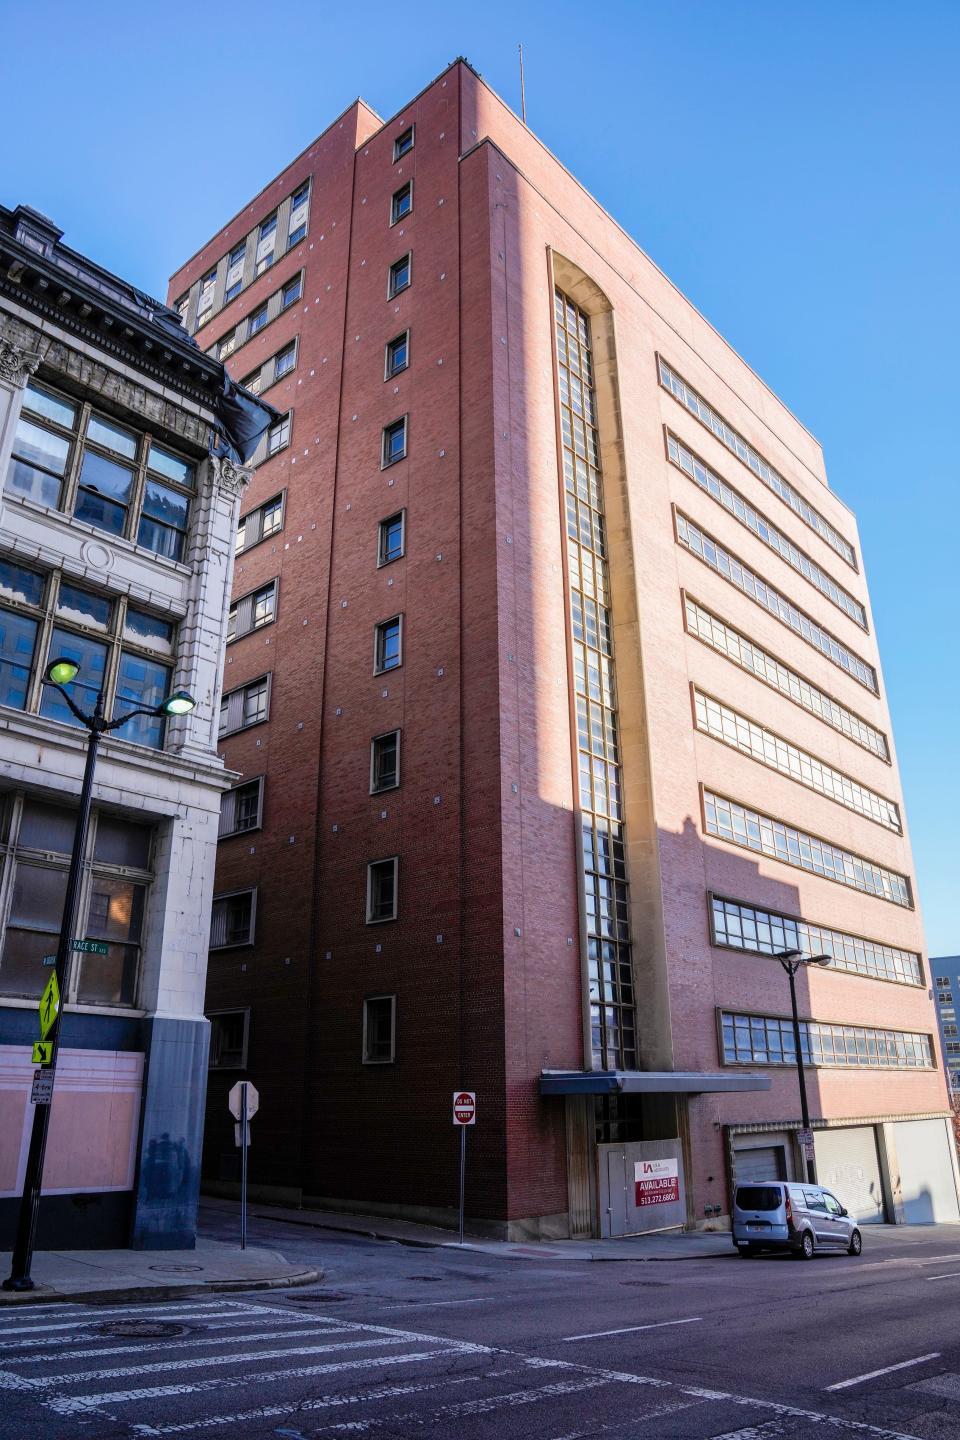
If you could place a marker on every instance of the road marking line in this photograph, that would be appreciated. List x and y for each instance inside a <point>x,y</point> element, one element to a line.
<point>628,1329</point>
<point>197,1362</point>
<point>47,1342</point>
<point>435,1304</point>
<point>949,1275</point>
<point>176,1344</point>
<point>101,1319</point>
<point>886,1370</point>
<point>481,1406</point>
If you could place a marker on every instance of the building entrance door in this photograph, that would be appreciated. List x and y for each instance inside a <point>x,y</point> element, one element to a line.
<point>641,1187</point>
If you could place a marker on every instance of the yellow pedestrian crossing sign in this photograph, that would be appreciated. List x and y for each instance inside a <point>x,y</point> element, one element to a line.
<point>49,1006</point>
<point>42,1052</point>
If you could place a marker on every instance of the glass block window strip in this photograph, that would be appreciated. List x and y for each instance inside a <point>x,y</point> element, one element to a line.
<point>699,543</point>
<point>743,734</point>
<point>749,656</point>
<point>605,897</point>
<point>735,926</point>
<point>733,501</point>
<point>739,825</point>
<point>769,1040</point>
<point>735,442</point>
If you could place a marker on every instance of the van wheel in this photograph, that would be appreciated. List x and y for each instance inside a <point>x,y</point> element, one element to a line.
<point>806,1246</point>
<point>856,1243</point>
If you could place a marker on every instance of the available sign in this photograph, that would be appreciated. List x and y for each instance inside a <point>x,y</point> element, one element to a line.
<point>656,1182</point>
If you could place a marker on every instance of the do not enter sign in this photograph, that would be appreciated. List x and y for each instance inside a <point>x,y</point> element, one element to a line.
<point>464,1107</point>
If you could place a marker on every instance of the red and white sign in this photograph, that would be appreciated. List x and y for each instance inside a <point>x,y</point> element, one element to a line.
<point>464,1107</point>
<point>656,1182</point>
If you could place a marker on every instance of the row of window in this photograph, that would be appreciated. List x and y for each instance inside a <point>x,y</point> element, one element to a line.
<point>769,1040</point>
<point>764,471</point>
<point>70,458</point>
<point>740,825</point>
<point>272,369</point>
<point>736,926</point>
<point>275,305</point>
<point>766,667</point>
<point>723,723</point>
<point>36,840</point>
<point>123,651</point>
<point>230,1034</point>
<point>725,495</point>
<point>712,553</point>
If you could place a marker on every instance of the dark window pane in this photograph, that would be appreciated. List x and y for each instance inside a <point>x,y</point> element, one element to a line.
<point>47,827</point>
<point>148,632</point>
<point>91,656</point>
<point>141,682</point>
<point>40,447</point>
<point>83,607</point>
<point>38,896</point>
<point>22,971</point>
<point>36,484</point>
<point>106,477</point>
<point>111,437</point>
<point>109,979</point>
<point>19,583</point>
<point>119,842</point>
<point>161,539</point>
<point>18,635</point>
<point>170,465</point>
<point>116,909</point>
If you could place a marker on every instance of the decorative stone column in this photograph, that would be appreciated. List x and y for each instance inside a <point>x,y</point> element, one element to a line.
<point>18,361</point>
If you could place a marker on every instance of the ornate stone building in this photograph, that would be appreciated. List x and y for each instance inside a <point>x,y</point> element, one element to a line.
<point>116,550</point>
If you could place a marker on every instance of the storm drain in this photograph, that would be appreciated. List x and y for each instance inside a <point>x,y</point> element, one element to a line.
<point>143,1329</point>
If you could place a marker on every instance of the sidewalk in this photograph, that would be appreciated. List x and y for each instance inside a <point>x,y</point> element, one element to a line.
<point>114,1276</point>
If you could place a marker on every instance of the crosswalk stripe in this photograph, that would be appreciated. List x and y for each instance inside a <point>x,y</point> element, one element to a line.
<point>12,1355</point>
<point>100,1319</point>
<point>483,1405</point>
<point>148,1348</point>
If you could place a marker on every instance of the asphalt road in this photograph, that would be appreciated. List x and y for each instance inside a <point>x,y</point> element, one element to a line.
<point>437,1343</point>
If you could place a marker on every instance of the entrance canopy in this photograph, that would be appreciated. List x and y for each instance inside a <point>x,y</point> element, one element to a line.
<point>648,1082</point>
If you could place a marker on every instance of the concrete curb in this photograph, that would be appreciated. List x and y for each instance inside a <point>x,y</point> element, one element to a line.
<point>140,1294</point>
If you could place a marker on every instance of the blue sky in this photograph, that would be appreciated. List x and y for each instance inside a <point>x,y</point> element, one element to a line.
<point>793,168</point>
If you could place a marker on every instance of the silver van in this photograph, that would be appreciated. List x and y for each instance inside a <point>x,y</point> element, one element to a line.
<point>788,1215</point>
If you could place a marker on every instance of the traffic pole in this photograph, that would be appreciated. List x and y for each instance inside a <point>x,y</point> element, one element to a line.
<point>463,1172</point>
<point>243,1168</point>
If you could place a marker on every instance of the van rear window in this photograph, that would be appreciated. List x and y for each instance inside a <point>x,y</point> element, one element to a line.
<point>758,1197</point>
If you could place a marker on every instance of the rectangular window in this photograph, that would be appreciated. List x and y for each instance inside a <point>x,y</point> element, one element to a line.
<point>227,345</point>
<point>394,442</point>
<point>165,511</point>
<point>252,611</point>
<point>735,442</point>
<point>738,926</point>
<point>391,538</point>
<point>258,524</point>
<point>385,762</point>
<point>235,271</point>
<point>403,143</point>
<point>299,213</point>
<point>205,303</point>
<point>278,436</point>
<point>379,1029</point>
<point>42,445</point>
<point>397,355</point>
<point>247,705</point>
<point>399,276</point>
<point>257,321</point>
<point>285,360</point>
<point>112,902</point>
<point>266,245</point>
<point>739,825</point>
<point>291,292</point>
<point>229,1038</point>
<point>401,202</point>
<point>769,1040</point>
<point>387,645</point>
<point>233,919</point>
<point>241,809</point>
<point>727,725</point>
<point>382,890</point>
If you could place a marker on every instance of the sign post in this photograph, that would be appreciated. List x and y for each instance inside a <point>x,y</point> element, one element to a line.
<point>464,1114</point>
<point>244,1102</point>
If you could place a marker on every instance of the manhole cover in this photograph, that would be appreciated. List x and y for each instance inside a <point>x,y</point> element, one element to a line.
<point>176,1269</point>
<point>143,1329</point>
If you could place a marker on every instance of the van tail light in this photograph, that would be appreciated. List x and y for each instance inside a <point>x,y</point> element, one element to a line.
<point>789,1210</point>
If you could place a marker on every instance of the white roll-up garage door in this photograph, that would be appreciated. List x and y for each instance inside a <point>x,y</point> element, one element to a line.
<point>848,1164</point>
<point>759,1162</point>
<point>926,1171</point>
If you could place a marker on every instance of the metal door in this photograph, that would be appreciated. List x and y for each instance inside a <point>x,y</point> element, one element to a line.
<point>926,1171</point>
<point>848,1164</point>
<point>760,1162</point>
<point>641,1187</point>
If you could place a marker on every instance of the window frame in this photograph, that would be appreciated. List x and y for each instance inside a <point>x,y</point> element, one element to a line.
<point>238,696</point>
<point>228,805</point>
<point>258,511</point>
<point>250,890</point>
<point>401,424</point>
<point>396,200</point>
<point>384,789</point>
<point>394,290</point>
<point>292,237</point>
<point>378,636</point>
<point>382,531</point>
<point>372,919</point>
<point>404,338</point>
<point>399,149</point>
<point>367,1057</point>
<point>213,1061</point>
<point>249,595</point>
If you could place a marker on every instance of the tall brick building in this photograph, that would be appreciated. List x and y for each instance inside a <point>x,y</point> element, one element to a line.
<point>557,708</point>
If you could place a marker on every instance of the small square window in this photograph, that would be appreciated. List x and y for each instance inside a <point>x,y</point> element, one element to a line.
<point>291,292</point>
<point>227,345</point>
<point>403,143</point>
<point>382,890</point>
<point>379,1029</point>
<point>285,361</point>
<point>257,320</point>
<point>399,277</point>
<point>401,203</point>
<point>387,654</point>
<point>232,919</point>
<point>385,762</point>
<point>394,442</point>
<point>398,355</point>
<point>390,538</point>
<point>229,1033</point>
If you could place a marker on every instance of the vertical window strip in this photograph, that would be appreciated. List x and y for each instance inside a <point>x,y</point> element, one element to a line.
<point>707,549</point>
<point>750,738</point>
<point>734,646</point>
<point>739,825</point>
<point>736,926</point>
<point>718,489</point>
<point>605,897</point>
<point>735,442</point>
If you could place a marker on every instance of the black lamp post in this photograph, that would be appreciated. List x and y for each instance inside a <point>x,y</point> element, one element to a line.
<point>60,673</point>
<point>791,960</point>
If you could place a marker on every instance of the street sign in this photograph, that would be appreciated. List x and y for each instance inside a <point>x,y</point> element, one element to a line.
<point>464,1107</point>
<point>49,959</point>
<point>42,1052</point>
<point>239,1137</point>
<point>92,947</point>
<point>41,1092</point>
<point>805,1138</point>
<point>49,1006</point>
<point>235,1099</point>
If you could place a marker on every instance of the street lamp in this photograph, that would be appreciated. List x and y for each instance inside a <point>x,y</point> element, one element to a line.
<point>59,673</point>
<point>791,960</point>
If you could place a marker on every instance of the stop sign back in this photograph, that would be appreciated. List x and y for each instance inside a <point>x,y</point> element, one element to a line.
<point>464,1107</point>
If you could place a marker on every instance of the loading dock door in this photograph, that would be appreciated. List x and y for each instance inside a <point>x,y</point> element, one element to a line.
<point>926,1172</point>
<point>848,1164</point>
<point>760,1162</point>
